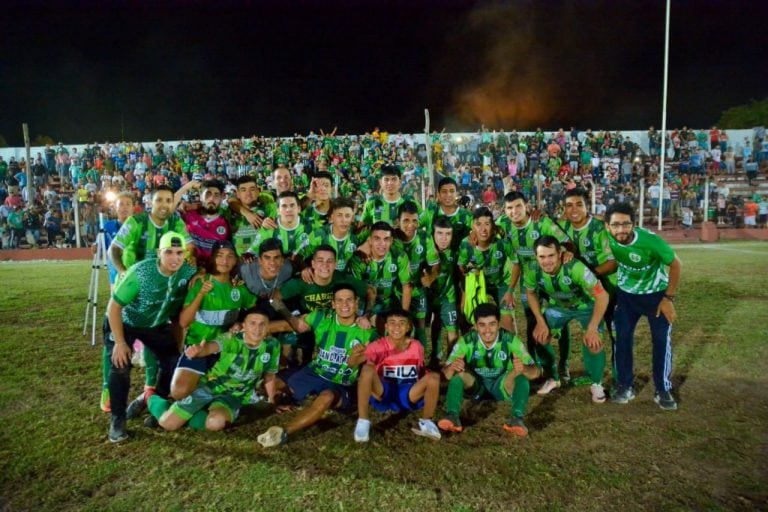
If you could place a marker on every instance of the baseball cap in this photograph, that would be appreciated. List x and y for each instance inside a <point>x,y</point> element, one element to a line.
<point>171,239</point>
<point>223,244</point>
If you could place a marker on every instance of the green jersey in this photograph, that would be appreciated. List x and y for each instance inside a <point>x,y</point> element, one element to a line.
<point>218,310</point>
<point>240,367</point>
<point>422,254</point>
<point>443,289</point>
<point>643,263</point>
<point>492,260</point>
<point>150,298</point>
<point>345,247</point>
<point>490,362</point>
<point>139,236</point>
<point>572,287</point>
<point>387,276</point>
<point>592,243</point>
<point>293,239</point>
<point>334,343</point>
<point>461,220</point>
<point>243,233</point>
<point>312,216</point>
<point>379,209</point>
<point>312,297</point>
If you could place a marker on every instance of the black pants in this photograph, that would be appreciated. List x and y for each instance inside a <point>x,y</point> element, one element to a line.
<point>160,341</point>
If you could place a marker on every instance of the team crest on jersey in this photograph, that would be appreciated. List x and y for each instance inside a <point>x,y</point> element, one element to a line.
<point>304,237</point>
<point>567,280</point>
<point>266,357</point>
<point>182,282</point>
<point>497,255</point>
<point>221,230</point>
<point>419,249</point>
<point>351,248</point>
<point>235,295</point>
<point>587,243</point>
<point>502,356</point>
<point>392,267</point>
<point>355,342</point>
<point>533,235</point>
<point>634,257</point>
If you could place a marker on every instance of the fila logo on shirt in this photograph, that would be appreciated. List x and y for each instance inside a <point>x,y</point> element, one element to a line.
<point>405,371</point>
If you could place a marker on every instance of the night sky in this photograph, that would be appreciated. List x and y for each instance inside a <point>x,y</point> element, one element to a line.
<point>81,72</point>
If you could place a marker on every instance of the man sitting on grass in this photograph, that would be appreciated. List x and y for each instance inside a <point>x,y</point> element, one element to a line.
<point>340,344</point>
<point>393,379</point>
<point>489,362</point>
<point>244,359</point>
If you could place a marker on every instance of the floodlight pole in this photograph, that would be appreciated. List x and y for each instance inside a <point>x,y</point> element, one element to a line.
<point>30,184</point>
<point>428,146</point>
<point>664,115</point>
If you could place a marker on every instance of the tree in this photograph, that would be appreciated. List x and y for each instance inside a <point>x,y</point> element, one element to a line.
<point>42,140</point>
<point>746,116</point>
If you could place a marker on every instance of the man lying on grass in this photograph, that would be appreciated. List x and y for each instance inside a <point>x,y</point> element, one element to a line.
<point>244,359</point>
<point>393,378</point>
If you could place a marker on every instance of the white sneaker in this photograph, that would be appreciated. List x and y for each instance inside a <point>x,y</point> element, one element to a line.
<point>548,386</point>
<point>598,393</point>
<point>361,430</point>
<point>274,436</point>
<point>427,428</point>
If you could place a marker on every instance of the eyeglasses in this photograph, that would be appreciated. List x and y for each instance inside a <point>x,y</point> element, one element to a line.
<point>618,225</point>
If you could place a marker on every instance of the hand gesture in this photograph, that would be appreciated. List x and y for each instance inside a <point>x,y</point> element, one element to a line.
<point>458,365</point>
<point>121,355</point>
<point>207,285</point>
<point>193,351</point>
<point>308,275</point>
<point>667,308</point>
<point>363,322</point>
<point>592,340</point>
<point>508,300</point>
<point>517,366</point>
<point>253,219</point>
<point>269,223</point>
<point>541,333</point>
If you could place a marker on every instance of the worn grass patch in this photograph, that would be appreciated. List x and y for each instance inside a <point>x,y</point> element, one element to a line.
<point>712,454</point>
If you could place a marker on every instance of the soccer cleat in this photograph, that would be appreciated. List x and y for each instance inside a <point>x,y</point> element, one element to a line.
<point>254,398</point>
<point>274,436</point>
<point>105,402</point>
<point>117,433</point>
<point>623,395</point>
<point>516,426</point>
<point>548,386</point>
<point>665,400</point>
<point>450,424</point>
<point>565,375</point>
<point>427,428</point>
<point>151,422</point>
<point>598,393</point>
<point>136,407</point>
<point>361,430</point>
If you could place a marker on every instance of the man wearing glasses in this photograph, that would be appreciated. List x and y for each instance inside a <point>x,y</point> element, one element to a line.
<point>649,274</point>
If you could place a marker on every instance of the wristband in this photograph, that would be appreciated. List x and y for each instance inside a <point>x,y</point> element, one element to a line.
<point>670,298</point>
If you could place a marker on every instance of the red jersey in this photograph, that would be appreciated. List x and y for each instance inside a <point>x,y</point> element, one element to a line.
<point>403,366</point>
<point>205,232</point>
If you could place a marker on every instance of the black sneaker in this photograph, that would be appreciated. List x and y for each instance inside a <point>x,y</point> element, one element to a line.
<point>117,433</point>
<point>151,422</point>
<point>665,400</point>
<point>136,407</point>
<point>622,395</point>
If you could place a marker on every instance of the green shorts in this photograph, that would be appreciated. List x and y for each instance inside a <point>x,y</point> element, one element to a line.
<point>202,398</point>
<point>557,318</point>
<point>419,304</point>
<point>448,314</point>
<point>489,387</point>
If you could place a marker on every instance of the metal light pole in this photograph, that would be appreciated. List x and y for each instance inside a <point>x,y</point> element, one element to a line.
<point>664,114</point>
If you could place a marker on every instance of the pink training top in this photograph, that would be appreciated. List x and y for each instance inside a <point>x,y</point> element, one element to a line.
<point>205,233</point>
<point>404,366</point>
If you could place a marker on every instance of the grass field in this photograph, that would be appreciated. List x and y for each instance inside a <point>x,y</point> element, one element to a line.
<point>712,454</point>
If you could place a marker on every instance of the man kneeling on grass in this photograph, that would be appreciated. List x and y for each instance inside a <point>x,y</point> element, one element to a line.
<point>245,358</point>
<point>489,362</point>
<point>331,375</point>
<point>393,378</point>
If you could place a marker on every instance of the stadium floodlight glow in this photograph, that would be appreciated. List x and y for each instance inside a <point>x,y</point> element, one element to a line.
<point>458,139</point>
<point>110,196</point>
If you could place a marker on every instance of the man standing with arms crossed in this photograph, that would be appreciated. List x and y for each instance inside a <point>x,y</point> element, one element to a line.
<point>649,274</point>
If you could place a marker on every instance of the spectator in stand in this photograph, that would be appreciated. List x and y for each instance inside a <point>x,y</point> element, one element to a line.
<point>762,212</point>
<point>750,213</point>
<point>52,226</point>
<point>730,161</point>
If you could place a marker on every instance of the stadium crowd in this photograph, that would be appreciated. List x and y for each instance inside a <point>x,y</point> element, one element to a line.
<point>277,269</point>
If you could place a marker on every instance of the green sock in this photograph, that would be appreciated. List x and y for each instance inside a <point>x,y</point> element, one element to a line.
<point>150,370</point>
<point>197,421</point>
<point>106,364</point>
<point>594,364</point>
<point>454,396</point>
<point>546,354</point>
<point>520,396</point>
<point>157,406</point>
